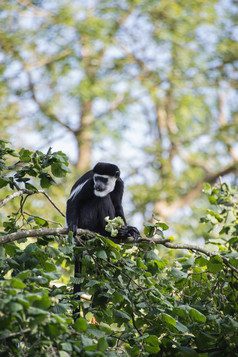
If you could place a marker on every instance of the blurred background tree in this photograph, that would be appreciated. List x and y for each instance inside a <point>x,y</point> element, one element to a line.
<point>151,85</point>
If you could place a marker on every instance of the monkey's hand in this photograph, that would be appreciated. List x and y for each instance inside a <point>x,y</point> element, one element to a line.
<point>127,231</point>
<point>133,231</point>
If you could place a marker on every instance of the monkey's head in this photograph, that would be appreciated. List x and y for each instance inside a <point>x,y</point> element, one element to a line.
<point>105,176</point>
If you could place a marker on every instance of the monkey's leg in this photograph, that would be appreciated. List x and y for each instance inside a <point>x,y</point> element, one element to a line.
<point>77,274</point>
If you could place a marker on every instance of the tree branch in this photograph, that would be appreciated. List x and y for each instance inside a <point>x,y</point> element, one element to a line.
<point>44,61</point>
<point>165,210</point>
<point>11,197</point>
<point>130,240</point>
<point>13,334</point>
<point>44,107</point>
<point>51,201</point>
<point>38,232</point>
<point>29,192</point>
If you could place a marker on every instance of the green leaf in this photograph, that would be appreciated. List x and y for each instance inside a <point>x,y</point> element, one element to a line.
<point>201,261</point>
<point>234,262</point>
<point>149,224</point>
<point>66,346</point>
<point>176,273</point>
<point>17,283</point>
<point>25,155</point>
<point>15,306</point>
<point>152,255</point>
<point>149,231</point>
<point>86,341</point>
<point>93,282</point>
<point>52,252</point>
<point>141,264</point>
<point>216,259</point>
<point>196,315</point>
<point>111,243</point>
<point>3,182</point>
<point>101,254</point>
<point>212,200</point>
<point>30,187</point>
<point>60,308</point>
<point>59,169</point>
<point>80,325</point>
<point>168,319</point>
<point>214,264</point>
<point>63,354</point>
<point>121,316</point>
<point>43,303</point>
<point>95,332</point>
<point>182,311</point>
<point>53,330</point>
<point>41,221</point>
<point>180,327</point>
<point>46,180</point>
<point>207,188</point>
<point>37,311</point>
<point>152,344</point>
<point>49,267</point>
<point>102,344</point>
<point>163,226</point>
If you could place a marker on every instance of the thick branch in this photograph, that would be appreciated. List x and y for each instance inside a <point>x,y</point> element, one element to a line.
<point>87,234</point>
<point>38,232</point>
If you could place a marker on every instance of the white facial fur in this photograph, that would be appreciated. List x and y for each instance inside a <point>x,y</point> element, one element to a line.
<point>109,186</point>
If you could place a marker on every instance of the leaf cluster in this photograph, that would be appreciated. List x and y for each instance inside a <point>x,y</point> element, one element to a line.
<point>30,165</point>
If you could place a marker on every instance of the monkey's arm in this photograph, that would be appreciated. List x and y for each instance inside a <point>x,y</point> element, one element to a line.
<point>72,214</point>
<point>82,190</point>
<point>116,196</point>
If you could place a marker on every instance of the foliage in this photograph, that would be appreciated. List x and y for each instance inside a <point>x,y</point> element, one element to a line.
<point>32,164</point>
<point>134,302</point>
<point>19,170</point>
<point>112,226</point>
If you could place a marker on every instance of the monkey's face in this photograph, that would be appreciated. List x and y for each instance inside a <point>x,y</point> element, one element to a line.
<point>103,184</point>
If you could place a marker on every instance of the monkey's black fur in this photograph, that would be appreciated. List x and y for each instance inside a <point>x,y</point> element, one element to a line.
<point>96,195</point>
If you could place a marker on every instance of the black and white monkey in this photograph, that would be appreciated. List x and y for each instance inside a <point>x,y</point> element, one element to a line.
<point>96,195</point>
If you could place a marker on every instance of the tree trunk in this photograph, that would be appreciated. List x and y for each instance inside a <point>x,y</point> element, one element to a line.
<point>84,138</point>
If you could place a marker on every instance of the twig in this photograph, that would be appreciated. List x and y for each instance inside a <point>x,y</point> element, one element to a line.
<point>28,192</point>
<point>13,334</point>
<point>53,204</point>
<point>48,220</point>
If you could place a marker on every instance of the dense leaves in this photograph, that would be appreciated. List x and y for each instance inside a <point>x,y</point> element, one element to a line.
<point>30,164</point>
<point>134,302</point>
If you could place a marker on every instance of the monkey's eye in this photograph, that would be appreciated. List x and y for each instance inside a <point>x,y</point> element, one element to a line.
<point>103,179</point>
